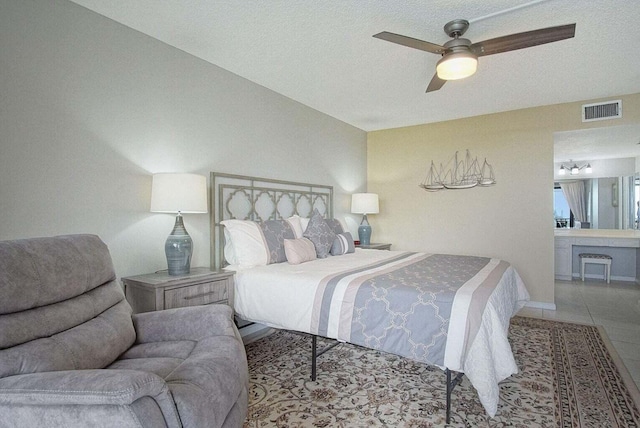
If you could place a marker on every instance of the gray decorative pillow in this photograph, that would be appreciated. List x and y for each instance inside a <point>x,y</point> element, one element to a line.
<point>335,225</point>
<point>274,233</point>
<point>319,232</point>
<point>343,244</point>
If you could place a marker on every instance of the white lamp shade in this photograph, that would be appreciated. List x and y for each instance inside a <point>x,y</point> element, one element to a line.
<point>185,193</point>
<point>457,66</point>
<point>364,203</point>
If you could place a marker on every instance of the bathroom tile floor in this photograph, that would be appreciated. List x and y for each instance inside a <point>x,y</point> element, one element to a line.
<point>615,306</point>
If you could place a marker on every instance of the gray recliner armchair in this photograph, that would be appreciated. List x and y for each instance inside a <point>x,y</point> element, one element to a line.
<point>73,355</point>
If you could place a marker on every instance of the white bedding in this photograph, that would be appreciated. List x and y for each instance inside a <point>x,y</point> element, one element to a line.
<point>282,295</point>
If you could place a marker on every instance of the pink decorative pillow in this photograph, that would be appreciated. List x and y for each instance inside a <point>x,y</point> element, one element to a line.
<point>299,250</point>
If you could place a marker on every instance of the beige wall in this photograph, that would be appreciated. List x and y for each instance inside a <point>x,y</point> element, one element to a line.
<point>90,109</point>
<point>511,220</point>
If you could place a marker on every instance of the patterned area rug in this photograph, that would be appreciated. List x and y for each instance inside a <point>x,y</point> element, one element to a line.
<point>569,377</point>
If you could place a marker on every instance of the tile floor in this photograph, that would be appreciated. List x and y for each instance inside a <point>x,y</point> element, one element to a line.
<point>615,306</point>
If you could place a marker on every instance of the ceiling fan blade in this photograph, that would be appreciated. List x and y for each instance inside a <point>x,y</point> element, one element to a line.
<point>410,42</point>
<point>523,40</point>
<point>435,84</point>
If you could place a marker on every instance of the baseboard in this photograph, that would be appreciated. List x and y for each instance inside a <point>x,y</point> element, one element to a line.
<point>541,305</point>
<point>623,278</point>
<point>601,277</point>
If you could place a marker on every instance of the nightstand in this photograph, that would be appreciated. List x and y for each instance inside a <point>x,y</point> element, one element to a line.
<point>374,246</point>
<point>157,291</point>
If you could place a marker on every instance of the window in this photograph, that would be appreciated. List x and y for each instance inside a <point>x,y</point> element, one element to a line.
<point>561,212</point>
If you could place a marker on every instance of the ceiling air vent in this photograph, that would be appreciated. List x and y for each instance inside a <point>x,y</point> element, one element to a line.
<point>602,111</point>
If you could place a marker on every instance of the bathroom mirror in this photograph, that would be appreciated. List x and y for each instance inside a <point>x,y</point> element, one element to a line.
<point>611,189</point>
<point>610,203</point>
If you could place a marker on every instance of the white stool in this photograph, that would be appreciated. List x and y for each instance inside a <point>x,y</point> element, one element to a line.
<point>600,259</point>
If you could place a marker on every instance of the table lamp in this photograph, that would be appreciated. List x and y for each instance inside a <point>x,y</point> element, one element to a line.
<point>181,194</point>
<point>364,203</point>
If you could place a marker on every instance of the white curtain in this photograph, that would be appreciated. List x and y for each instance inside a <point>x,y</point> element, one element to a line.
<point>574,193</point>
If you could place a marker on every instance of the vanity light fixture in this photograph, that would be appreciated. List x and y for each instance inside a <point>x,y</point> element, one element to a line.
<point>575,169</point>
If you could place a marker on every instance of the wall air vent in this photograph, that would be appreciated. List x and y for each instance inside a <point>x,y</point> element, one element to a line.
<point>602,111</point>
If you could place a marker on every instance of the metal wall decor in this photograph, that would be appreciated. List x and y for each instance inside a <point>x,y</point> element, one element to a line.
<point>459,174</point>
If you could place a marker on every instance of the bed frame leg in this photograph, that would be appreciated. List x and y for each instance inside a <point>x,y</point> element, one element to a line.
<point>450,385</point>
<point>448,373</point>
<point>314,352</point>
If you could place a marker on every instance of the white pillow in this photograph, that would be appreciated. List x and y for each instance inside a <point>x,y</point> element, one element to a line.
<point>248,243</point>
<point>299,250</point>
<point>295,223</point>
<point>300,224</point>
<point>229,252</point>
<point>304,222</point>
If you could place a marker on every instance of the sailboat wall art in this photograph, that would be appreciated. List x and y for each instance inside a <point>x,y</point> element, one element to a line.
<point>459,174</point>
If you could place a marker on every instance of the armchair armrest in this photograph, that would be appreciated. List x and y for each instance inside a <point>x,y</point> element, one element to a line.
<point>91,387</point>
<point>79,388</point>
<point>189,323</point>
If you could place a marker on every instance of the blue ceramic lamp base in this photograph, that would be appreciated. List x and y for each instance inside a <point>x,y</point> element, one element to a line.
<point>178,249</point>
<point>364,234</point>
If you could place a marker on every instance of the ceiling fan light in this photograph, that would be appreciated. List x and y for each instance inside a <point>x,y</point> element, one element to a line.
<point>457,65</point>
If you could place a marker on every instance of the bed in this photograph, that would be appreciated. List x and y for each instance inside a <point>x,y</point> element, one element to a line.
<point>450,311</point>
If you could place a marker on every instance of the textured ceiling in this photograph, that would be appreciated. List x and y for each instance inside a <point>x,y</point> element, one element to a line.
<point>597,143</point>
<point>322,53</point>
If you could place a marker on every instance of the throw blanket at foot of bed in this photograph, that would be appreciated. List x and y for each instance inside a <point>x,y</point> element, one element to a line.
<point>430,308</point>
<point>446,310</point>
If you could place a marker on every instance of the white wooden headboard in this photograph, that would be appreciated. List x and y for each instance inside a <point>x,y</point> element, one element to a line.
<point>259,199</point>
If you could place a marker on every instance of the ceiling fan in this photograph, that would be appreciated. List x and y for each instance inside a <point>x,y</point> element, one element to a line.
<point>460,56</point>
